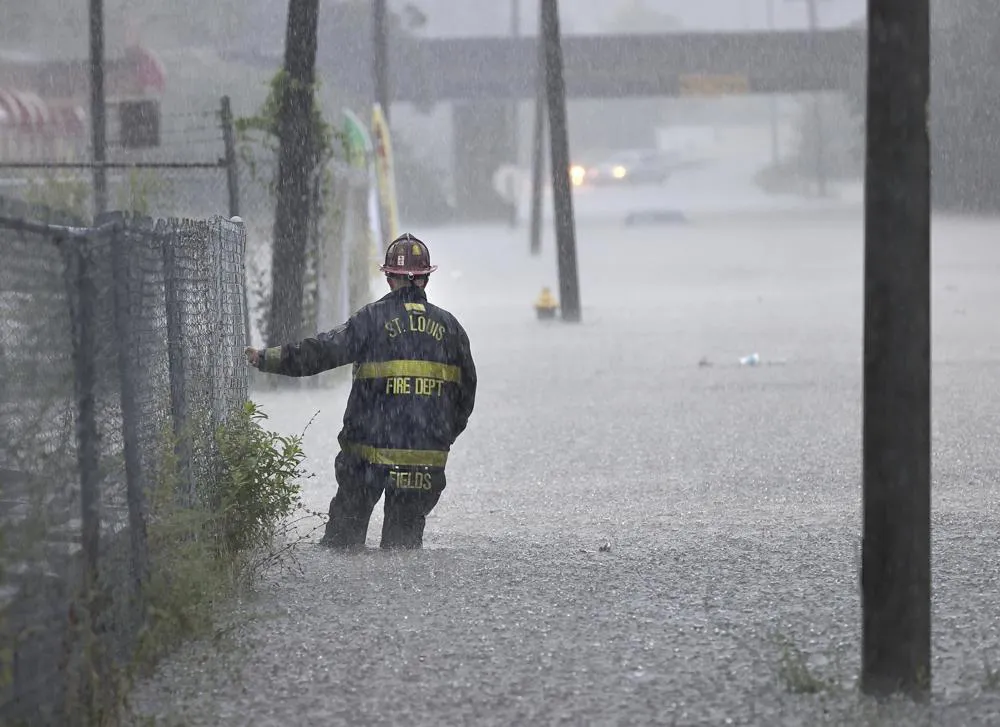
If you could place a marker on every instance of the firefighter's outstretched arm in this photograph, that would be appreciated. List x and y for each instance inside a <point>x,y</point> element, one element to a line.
<point>310,356</point>
<point>467,387</point>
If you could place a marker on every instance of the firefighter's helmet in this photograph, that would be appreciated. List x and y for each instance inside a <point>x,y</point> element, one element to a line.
<point>407,256</point>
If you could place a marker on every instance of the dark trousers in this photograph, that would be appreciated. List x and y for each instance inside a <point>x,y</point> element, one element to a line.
<point>359,487</point>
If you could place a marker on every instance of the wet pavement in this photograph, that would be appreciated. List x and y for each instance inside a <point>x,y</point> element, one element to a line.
<point>629,537</point>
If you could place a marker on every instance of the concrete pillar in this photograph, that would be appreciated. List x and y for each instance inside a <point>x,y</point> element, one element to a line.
<point>482,143</point>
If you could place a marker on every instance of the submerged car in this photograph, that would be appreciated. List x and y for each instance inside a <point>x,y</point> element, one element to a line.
<point>640,166</point>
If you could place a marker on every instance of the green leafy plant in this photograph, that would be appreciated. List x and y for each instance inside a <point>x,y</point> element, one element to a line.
<point>257,487</point>
<point>187,578</point>
<point>207,541</point>
<point>262,129</point>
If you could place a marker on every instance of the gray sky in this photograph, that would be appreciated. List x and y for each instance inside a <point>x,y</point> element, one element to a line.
<point>492,17</point>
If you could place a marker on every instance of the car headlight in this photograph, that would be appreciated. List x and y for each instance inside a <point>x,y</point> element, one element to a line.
<point>619,172</point>
<point>577,174</point>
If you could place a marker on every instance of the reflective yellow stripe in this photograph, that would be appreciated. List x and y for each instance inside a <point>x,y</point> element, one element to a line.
<point>426,369</point>
<point>419,307</point>
<point>400,457</point>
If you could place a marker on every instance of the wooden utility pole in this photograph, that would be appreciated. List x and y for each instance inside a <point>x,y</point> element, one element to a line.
<point>817,110</point>
<point>296,162</point>
<point>569,285</point>
<point>896,554</point>
<point>538,147</point>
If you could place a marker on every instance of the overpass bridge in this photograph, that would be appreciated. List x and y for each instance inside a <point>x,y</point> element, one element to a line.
<point>479,77</point>
<point>619,66</point>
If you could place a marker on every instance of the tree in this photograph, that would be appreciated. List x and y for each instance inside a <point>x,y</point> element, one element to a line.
<point>296,157</point>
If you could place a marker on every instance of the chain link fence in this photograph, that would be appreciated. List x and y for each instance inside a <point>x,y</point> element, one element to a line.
<point>341,254</point>
<point>111,337</point>
<point>189,172</point>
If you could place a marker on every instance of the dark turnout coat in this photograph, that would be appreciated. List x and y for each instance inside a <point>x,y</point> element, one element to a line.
<point>414,378</point>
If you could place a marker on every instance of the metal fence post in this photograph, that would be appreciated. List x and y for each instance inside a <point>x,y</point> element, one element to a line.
<point>121,258</point>
<point>242,272</point>
<point>538,147</point>
<point>83,319</point>
<point>82,295</point>
<point>241,369</point>
<point>232,169</point>
<point>200,235</point>
<point>98,107</point>
<point>215,237</point>
<point>175,358</point>
<point>211,239</point>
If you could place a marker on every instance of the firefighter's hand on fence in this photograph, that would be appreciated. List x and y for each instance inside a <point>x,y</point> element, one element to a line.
<point>253,356</point>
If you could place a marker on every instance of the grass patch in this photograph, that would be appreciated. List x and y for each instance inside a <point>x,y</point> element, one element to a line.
<point>795,674</point>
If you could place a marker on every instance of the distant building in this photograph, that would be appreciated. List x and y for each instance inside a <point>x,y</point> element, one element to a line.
<point>44,104</point>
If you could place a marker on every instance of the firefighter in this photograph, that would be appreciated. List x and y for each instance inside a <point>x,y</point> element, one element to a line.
<point>414,389</point>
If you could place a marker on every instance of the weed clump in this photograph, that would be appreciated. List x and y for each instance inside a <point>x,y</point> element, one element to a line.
<point>220,498</point>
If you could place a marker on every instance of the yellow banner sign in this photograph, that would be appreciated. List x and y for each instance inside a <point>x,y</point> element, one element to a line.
<point>714,85</point>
